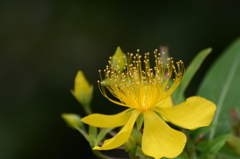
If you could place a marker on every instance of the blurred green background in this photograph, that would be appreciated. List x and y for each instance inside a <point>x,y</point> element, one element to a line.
<point>44,43</point>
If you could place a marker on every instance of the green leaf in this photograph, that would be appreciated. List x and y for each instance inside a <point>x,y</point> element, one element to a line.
<point>130,146</point>
<point>102,134</point>
<point>190,72</point>
<point>208,157</point>
<point>183,155</point>
<point>227,153</point>
<point>201,145</point>
<point>137,135</point>
<point>234,143</point>
<point>139,121</point>
<point>204,130</point>
<point>221,86</point>
<point>139,152</point>
<point>214,146</point>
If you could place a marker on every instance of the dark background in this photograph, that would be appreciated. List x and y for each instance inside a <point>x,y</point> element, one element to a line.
<point>44,43</point>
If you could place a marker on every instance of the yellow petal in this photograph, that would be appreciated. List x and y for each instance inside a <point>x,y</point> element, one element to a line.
<point>194,113</point>
<point>168,102</point>
<point>122,136</point>
<point>159,140</point>
<point>107,121</point>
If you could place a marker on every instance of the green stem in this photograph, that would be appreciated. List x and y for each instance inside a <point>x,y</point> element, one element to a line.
<point>87,109</point>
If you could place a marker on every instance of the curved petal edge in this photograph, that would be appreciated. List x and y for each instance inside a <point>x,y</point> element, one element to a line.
<point>160,140</point>
<point>107,121</point>
<point>194,113</point>
<point>122,136</point>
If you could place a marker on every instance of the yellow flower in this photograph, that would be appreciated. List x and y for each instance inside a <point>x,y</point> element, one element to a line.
<point>82,89</point>
<point>147,90</point>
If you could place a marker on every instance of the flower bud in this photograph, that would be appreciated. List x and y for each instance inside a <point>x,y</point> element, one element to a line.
<point>82,89</point>
<point>234,143</point>
<point>119,59</point>
<point>118,62</point>
<point>73,120</point>
<point>235,122</point>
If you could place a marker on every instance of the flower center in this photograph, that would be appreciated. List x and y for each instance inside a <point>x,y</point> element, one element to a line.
<point>140,86</point>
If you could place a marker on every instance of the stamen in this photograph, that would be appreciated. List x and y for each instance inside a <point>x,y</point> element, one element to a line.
<point>141,88</point>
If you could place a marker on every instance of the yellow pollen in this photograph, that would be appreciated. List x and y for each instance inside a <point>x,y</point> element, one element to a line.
<point>138,85</point>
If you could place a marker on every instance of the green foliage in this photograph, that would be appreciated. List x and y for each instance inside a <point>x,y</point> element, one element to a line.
<point>130,147</point>
<point>227,153</point>
<point>234,143</point>
<point>208,157</point>
<point>214,146</point>
<point>221,85</point>
<point>102,134</point>
<point>139,121</point>
<point>137,135</point>
<point>178,95</point>
<point>182,156</point>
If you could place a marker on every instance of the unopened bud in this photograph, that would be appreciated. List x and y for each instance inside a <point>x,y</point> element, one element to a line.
<point>82,90</point>
<point>200,137</point>
<point>73,120</point>
<point>235,122</point>
<point>234,143</point>
<point>119,59</point>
